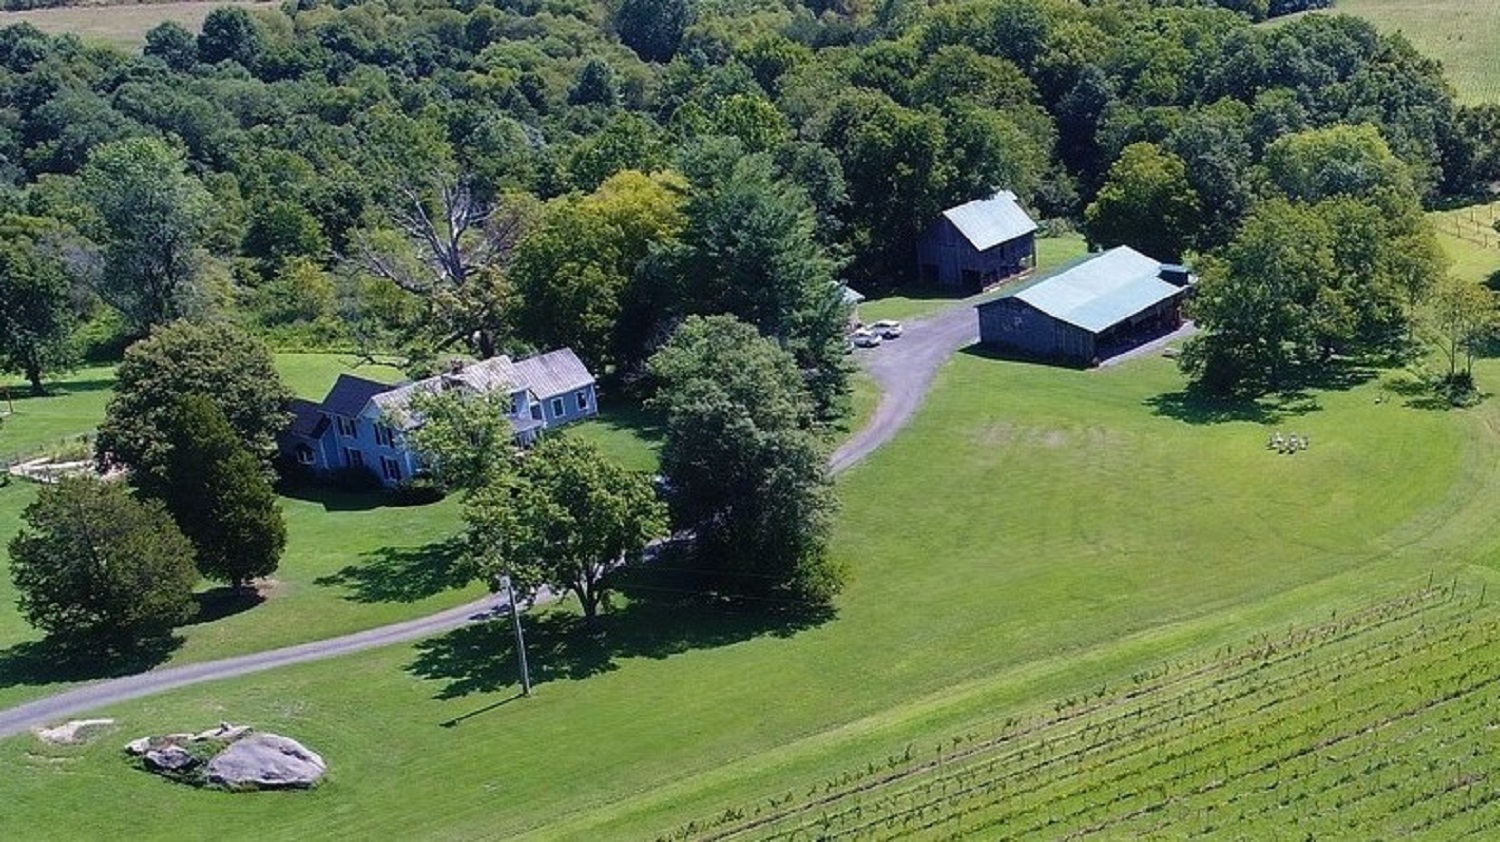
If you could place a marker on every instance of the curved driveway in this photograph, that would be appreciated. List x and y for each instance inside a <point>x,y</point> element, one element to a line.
<point>903,369</point>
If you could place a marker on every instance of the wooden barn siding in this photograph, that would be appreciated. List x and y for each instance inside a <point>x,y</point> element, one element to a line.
<point>1014,324</point>
<point>944,247</point>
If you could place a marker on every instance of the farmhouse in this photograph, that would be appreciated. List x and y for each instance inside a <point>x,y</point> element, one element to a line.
<point>976,244</point>
<point>1101,306</point>
<point>361,423</point>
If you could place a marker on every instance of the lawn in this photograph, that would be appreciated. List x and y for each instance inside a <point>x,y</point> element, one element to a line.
<point>122,25</point>
<point>1463,34</point>
<point>1051,252</point>
<point>352,562</point>
<point>1036,532</point>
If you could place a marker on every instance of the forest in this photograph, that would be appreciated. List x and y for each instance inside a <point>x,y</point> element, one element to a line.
<point>431,179</point>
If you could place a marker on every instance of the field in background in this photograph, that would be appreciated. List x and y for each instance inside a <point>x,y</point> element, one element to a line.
<point>122,25</point>
<point>1463,34</point>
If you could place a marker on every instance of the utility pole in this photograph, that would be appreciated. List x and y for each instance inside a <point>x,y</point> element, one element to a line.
<point>515,623</point>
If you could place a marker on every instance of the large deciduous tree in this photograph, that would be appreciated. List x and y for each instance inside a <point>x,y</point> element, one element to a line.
<point>565,518</point>
<point>218,494</point>
<point>218,361</point>
<point>749,250</point>
<point>1146,203</point>
<point>744,471</point>
<point>93,562</point>
<point>1464,315</point>
<point>465,439</point>
<point>37,316</point>
<point>148,216</point>
<point>653,28</point>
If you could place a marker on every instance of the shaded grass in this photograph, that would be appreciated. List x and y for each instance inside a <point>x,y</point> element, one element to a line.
<point>1036,531</point>
<point>124,25</point>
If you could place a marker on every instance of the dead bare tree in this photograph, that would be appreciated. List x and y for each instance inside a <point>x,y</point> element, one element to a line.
<point>455,250</point>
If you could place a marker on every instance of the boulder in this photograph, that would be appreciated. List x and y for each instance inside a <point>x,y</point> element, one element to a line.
<point>170,758</point>
<point>225,733</point>
<point>266,761</point>
<point>138,746</point>
<point>72,732</point>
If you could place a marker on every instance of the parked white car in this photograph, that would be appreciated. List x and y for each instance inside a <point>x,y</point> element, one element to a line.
<point>886,329</point>
<point>865,338</point>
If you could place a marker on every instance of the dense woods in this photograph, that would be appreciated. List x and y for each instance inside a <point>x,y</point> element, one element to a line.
<point>477,177</point>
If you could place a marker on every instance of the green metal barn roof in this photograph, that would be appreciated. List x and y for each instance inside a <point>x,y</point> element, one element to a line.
<point>1101,291</point>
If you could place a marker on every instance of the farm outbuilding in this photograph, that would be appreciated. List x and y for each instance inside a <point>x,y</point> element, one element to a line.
<point>1099,307</point>
<point>977,244</point>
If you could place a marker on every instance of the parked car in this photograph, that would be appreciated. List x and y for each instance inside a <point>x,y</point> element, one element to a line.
<point>886,329</point>
<point>865,338</point>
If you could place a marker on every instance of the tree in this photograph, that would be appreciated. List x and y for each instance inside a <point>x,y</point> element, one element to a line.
<point>441,240</point>
<point>465,439</point>
<point>37,318</point>
<point>749,250</point>
<point>229,34</point>
<point>93,562</point>
<point>216,360</point>
<point>171,42</point>
<point>744,471</point>
<point>653,28</point>
<point>149,217</point>
<point>579,269</point>
<point>595,84</point>
<point>1464,315</point>
<point>1146,203</point>
<point>1257,302</point>
<point>566,518</point>
<point>217,493</point>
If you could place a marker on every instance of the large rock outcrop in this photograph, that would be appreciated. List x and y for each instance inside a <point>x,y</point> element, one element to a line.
<point>242,759</point>
<point>265,761</point>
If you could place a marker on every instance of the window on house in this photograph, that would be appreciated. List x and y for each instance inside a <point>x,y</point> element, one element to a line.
<point>583,400</point>
<point>304,455</point>
<point>557,407</point>
<point>536,412</point>
<point>390,468</point>
<point>346,427</point>
<point>354,458</point>
<point>385,436</point>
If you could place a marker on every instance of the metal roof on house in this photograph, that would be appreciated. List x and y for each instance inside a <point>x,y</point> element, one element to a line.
<point>545,375</point>
<point>553,373</point>
<point>986,223</point>
<point>1101,291</point>
<point>350,394</point>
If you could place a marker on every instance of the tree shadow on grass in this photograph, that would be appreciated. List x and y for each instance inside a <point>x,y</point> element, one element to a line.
<point>334,499</point>
<point>52,660</point>
<point>402,574</point>
<point>21,392</point>
<point>218,603</point>
<point>1195,405</point>
<point>664,615</point>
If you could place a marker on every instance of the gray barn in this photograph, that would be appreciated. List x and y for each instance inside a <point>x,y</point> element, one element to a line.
<point>977,244</point>
<point>1105,304</point>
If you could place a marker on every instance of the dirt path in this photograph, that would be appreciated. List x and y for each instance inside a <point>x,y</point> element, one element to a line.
<point>903,368</point>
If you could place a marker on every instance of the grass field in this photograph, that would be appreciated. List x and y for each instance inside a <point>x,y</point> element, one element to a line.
<point>1051,252</point>
<point>1463,34</point>
<point>1035,534</point>
<point>123,25</point>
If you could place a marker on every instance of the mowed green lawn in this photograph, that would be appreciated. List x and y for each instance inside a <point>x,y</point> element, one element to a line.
<point>1035,532</point>
<point>123,25</point>
<point>1463,34</point>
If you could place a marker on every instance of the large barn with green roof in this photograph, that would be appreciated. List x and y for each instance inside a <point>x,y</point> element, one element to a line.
<point>1098,307</point>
